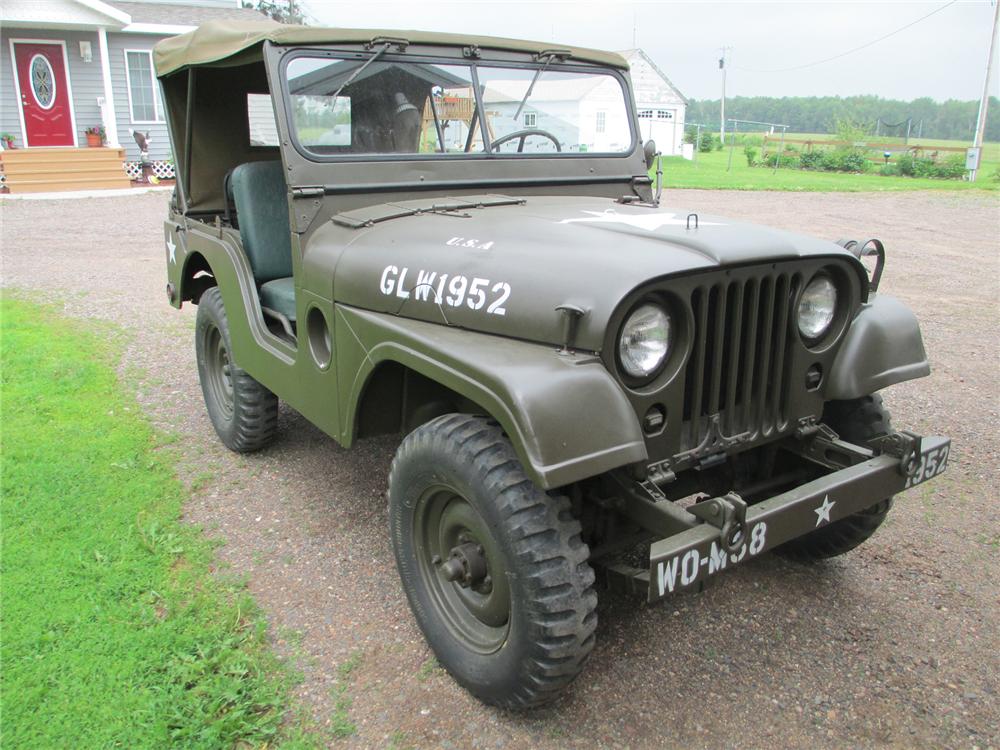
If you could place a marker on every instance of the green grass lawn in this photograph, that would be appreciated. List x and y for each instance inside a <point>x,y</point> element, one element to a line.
<point>709,170</point>
<point>115,633</point>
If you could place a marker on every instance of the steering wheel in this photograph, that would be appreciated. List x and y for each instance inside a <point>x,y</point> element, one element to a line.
<point>523,135</point>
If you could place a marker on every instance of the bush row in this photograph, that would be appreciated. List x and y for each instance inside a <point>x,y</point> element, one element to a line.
<point>855,161</point>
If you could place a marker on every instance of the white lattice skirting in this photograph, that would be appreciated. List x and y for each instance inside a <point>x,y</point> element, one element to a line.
<point>162,169</point>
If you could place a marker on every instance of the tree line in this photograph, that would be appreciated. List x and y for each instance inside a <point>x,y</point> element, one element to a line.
<point>951,119</point>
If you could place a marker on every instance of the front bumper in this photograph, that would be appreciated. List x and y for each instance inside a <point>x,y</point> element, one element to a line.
<point>684,560</point>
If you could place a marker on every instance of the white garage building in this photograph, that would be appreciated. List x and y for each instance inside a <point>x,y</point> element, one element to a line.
<point>661,106</point>
<point>580,112</point>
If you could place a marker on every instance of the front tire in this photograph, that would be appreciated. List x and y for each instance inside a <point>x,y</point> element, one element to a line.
<point>243,412</point>
<point>494,568</point>
<point>857,421</point>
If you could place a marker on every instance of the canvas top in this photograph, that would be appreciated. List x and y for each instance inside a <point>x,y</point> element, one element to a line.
<point>219,42</point>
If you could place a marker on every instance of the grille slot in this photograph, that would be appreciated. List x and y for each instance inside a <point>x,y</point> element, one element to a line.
<point>738,363</point>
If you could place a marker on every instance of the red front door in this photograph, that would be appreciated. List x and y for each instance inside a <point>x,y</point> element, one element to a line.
<point>43,88</point>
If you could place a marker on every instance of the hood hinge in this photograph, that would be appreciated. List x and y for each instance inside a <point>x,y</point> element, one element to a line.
<point>306,202</point>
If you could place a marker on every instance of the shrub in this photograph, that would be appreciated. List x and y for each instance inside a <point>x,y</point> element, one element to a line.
<point>709,142</point>
<point>785,161</point>
<point>812,160</point>
<point>952,168</point>
<point>846,160</point>
<point>751,154</point>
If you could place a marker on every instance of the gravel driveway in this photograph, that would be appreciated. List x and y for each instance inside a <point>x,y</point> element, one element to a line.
<point>896,643</point>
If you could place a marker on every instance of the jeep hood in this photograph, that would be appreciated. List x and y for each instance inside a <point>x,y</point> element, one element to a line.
<point>504,269</point>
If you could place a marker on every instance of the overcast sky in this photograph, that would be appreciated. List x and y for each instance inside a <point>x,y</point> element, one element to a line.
<point>943,57</point>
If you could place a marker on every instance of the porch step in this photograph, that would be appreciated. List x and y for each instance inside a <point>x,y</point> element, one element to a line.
<point>18,155</point>
<point>36,170</point>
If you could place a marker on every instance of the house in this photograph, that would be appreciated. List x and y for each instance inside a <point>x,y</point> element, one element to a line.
<point>660,105</point>
<point>585,113</point>
<point>70,65</point>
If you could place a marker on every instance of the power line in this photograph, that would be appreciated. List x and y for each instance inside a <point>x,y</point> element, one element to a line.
<point>850,51</point>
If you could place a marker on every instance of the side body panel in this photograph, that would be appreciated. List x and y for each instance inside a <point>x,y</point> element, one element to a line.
<point>292,375</point>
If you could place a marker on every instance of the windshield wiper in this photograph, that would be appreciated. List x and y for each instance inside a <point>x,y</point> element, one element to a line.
<point>549,56</point>
<point>385,47</point>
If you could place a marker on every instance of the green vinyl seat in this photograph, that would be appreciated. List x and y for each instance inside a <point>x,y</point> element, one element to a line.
<point>261,199</point>
<point>279,295</point>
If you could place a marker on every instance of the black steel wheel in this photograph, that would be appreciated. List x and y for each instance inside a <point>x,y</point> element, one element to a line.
<point>857,421</point>
<point>494,568</point>
<point>243,412</point>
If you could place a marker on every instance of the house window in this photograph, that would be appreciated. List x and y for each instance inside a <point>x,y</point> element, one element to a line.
<point>601,121</point>
<point>530,119</point>
<point>142,100</point>
<point>664,114</point>
<point>645,114</point>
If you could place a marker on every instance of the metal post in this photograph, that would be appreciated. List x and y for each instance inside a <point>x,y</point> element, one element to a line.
<point>985,101</point>
<point>732,145</point>
<point>722,111</point>
<point>781,151</point>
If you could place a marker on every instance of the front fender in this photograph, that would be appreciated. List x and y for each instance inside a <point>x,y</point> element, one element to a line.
<point>883,347</point>
<point>566,416</point>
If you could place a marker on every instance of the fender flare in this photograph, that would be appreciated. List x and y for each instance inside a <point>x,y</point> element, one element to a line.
<point>882,347</point>
<point>567,418</point>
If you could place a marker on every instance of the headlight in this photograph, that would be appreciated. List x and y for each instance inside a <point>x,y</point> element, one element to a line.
<point>817,306</point>
<point>644,341</point>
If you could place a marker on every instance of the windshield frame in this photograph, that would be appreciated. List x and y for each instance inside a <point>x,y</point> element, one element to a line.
<point>459,58</point>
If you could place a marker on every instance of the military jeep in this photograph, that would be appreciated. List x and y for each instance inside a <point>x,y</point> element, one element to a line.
<point>457,239</point>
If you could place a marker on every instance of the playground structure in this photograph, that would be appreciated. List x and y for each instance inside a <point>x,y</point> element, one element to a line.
<point>442,113</point>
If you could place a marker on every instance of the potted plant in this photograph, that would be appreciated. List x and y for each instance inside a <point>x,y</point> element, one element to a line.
<point>8,140</point>
<point>95,136</point>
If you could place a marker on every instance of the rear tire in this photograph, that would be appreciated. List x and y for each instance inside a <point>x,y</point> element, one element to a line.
<point>243,412</point>
<point>494,568</point>
<point>857,421</point>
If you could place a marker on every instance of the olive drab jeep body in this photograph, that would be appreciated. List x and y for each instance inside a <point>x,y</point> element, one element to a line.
<point>457,239</point>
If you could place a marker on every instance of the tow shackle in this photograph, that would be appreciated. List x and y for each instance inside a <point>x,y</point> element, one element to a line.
<point>728,514</point>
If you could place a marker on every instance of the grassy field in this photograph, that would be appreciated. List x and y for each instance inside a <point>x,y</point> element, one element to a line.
<point>115,633</point>
<point>709,170</point>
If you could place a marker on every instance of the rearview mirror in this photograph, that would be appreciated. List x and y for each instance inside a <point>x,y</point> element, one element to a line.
<point>649,150</point>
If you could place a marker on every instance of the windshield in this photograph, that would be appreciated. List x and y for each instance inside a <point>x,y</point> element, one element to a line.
<point>357,107</point>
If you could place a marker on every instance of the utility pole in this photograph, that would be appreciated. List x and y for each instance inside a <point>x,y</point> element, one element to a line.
<point>985,101</point>
<point>722,113</point>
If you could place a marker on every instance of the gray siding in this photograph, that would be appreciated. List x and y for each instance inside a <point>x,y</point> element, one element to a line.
<point>160,147</point>
<point>84,80</point>
<point>87,86</point>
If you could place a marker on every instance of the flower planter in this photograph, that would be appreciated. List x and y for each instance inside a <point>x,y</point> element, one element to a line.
<point>94,140</point>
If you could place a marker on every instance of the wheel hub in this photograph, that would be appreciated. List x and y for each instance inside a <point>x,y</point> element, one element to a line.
<point>463,565</point>
<point>466,565</point>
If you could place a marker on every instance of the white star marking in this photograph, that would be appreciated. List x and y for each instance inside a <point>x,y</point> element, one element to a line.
<point>172,247</point>
<point>823,511</point>
<point>649,222</point>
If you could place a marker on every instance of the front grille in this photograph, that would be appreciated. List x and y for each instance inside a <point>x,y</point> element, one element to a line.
<point>737,368</point>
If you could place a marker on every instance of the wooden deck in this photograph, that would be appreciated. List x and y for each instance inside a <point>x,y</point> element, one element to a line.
<point>41,170</point>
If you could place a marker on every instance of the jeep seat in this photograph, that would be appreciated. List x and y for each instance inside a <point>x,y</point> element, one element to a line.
<point>261,199</point>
